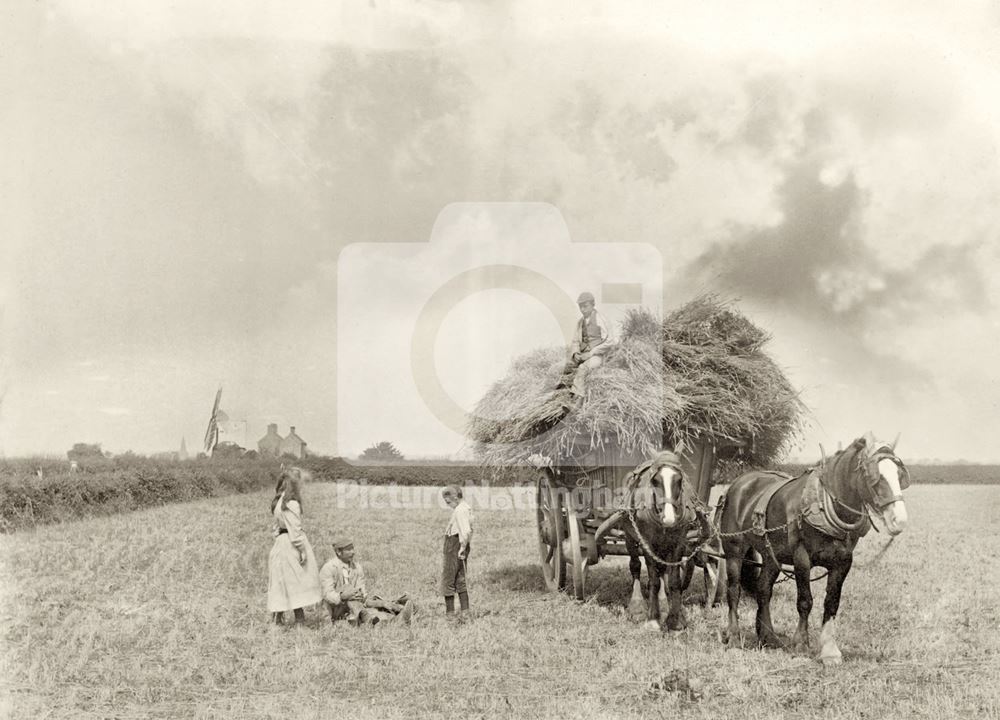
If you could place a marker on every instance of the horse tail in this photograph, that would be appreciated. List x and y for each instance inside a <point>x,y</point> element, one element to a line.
<point>749,571</point>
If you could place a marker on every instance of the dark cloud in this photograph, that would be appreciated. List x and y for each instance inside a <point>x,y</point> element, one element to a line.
<point>945,279</point>
<point>782,264</point>
<point>818,265</point>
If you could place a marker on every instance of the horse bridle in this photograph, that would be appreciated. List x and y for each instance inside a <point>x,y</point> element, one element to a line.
<point>871,499</point>
<point>678,502</point>
<point>697,511</point>
<point>869,466</point>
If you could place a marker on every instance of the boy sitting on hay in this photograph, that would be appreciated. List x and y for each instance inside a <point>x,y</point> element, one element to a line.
<point>591,341</point>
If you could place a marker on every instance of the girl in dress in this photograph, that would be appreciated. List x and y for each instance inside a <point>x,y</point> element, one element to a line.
<point>294,576</point>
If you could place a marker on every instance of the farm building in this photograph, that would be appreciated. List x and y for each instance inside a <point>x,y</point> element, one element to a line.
<point>293,445</point>
<point>270,444</point>
<point>273,445</point>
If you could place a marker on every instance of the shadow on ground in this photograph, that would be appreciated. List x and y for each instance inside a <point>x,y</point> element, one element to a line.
<point>517,578</point>
<point>608,585</point>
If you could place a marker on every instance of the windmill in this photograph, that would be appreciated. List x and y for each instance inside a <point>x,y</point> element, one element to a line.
<point>212,433</point>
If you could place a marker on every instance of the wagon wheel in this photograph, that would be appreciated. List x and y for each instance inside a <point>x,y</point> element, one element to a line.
<point>577,559</point>
<point>550,532</point>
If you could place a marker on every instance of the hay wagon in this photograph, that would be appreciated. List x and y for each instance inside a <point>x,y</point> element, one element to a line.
<point>693,379</point>
<point>577,495</point>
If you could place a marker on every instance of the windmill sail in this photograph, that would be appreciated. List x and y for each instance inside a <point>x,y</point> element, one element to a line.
<point>212,433</point>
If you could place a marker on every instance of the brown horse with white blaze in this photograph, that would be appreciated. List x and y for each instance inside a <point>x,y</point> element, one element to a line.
<point>660,513</point>
<point>815,519</point>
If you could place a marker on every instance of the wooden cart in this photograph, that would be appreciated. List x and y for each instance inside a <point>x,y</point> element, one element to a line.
<point>577,494</point>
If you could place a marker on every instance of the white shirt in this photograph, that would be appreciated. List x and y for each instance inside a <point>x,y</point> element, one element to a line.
<point>461,522</point>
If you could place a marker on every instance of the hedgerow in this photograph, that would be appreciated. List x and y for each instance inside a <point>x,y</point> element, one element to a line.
<point>117,485</point>
<point>401,473</point>
<point>103,486</point>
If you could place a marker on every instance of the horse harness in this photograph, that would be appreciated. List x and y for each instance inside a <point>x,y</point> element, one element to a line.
<point>818,501</point>
<point>817,507</point>
<point>698,509</point>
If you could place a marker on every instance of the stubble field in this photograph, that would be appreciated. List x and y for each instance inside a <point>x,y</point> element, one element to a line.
<point>161,613</point>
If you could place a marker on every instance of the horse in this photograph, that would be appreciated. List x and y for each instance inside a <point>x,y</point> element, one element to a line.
<point>816,519</point>
<point>660,512</point>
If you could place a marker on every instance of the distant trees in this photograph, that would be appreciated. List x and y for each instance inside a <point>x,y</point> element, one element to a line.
<point>383,451</point>
<point>227,451</point>
<point>85,451</point>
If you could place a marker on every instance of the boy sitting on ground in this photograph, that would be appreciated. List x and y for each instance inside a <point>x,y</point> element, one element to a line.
<point>346,594</point>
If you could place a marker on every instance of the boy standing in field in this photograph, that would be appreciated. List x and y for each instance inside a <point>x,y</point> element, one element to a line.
<point>457,544</point>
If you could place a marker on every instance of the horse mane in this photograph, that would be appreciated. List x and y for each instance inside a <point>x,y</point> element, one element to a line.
<point>866,445</point>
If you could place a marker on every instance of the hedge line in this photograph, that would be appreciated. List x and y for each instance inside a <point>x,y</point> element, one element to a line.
<point>104,486</point>
<point>404,473</point>
<point>27,500</point>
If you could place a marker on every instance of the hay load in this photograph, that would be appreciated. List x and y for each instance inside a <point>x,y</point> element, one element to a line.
<point>700,372</point>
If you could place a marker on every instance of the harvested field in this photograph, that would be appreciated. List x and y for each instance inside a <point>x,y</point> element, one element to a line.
<point>161,613</point>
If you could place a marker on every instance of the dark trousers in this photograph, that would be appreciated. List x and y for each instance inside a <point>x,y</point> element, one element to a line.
<point>453,574</point>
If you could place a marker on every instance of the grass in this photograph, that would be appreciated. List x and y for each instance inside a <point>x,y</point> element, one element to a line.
<point>160,613</point>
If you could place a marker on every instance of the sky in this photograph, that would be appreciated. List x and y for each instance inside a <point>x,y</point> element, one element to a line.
<point>352,216</point>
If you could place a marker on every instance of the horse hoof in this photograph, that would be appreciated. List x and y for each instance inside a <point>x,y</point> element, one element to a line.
<point>831,659</point>
<point>651,626</point>
<point>635,612</point>
<point>731,639</point>
<point>676,624</point>
<point>771,643</point>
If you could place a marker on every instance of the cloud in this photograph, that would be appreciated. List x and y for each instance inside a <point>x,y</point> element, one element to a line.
<point>866,244</point>
<point>217,158</point>
<point>817,264</point>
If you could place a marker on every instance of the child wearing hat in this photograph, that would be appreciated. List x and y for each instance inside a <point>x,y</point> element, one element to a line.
<point>592,339</point>
<point>457,545</point>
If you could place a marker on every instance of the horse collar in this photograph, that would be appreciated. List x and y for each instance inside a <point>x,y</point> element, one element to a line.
<point>827,520</point>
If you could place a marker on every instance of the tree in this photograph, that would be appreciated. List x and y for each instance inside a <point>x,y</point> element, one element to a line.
<point>227,451</point>
<point>383,451</point>
<point>85,451</point>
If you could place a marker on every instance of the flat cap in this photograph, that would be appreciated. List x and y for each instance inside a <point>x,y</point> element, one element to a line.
<point>342,541</point>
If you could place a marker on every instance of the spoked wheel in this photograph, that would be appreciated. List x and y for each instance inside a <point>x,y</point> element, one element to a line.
<point>550,532</point>
<point>577,558</point>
